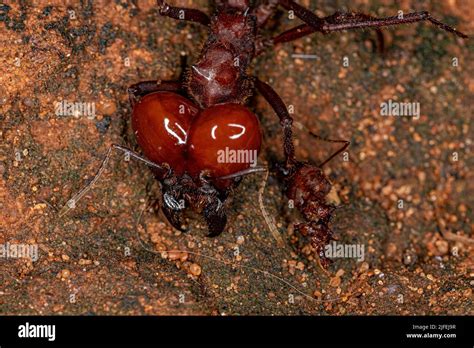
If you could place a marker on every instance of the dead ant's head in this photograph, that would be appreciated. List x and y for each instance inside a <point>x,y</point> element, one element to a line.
<point>308,187</point>
<point>202,153</point>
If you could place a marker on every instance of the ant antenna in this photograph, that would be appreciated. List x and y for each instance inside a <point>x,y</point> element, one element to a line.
<point>71,203</point>
<point>243,172</point>
<point>345,142</point>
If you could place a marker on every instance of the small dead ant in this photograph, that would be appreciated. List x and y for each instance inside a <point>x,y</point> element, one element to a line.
<point>183,127</point>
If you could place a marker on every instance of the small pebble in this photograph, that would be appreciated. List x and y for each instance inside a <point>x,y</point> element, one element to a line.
<point>364,267</point>
<point>195,269</point>
<point>335,282</point>
<point>65,273</point>
<point>442,246</point>
<point>174,255</point>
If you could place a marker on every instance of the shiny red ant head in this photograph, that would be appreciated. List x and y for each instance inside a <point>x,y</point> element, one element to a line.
<point>214,142</point>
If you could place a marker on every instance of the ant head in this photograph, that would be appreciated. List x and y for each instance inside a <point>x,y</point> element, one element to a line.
<point>307,183</point>
<point>308,187</point>
<point>200,154</point>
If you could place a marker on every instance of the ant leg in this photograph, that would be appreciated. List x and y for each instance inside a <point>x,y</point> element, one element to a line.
<point>379,45</point>
<point>293,34</point>
<point>182,13</point>
<point>303,13</point>
<point>286,120</point>
<point>140,89</point>
<point>305,30</point>
<point>71,203</point>
<point>345,142</point>
<point>183,62</point>
<point>344,21</point>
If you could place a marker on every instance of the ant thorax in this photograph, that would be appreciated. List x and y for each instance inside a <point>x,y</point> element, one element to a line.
<point>219,76</point>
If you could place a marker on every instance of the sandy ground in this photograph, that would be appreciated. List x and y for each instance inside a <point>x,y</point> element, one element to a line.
<point>110,255</point>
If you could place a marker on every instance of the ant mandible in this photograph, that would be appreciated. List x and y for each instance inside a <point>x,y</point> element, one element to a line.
<point>183,126</point>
